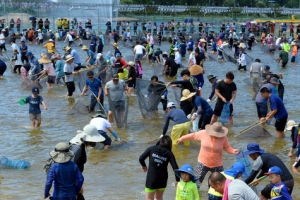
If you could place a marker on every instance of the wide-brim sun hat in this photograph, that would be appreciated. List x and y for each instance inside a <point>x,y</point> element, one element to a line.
<point>61,153</point>
<point>115,45</point>
<point>210,76</point>
<point>91,134</point>
<point>100,113</point>
<point>195,70</point>
<point>186,168</point>
<point>170,105</point>
<point>44,60</point>
<point>253,148</point>
<point>224,44</point>
<point>216,129</point>
<point>236,169</point>
<point>39,30</point>
<point>69,57</point>
<point>68,48</point>
<point>186,94</point>
<point>130,63</point>
<point>290,124</point>
<point>85,48</point>
<point>202,40</point>
<point>78,139</point>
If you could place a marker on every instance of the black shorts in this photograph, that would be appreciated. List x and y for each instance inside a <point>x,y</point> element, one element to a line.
<point>283,64</point>
<point>219,107</point>
<point>132,83</point>
<point>280,124</point>
<point>266,192</point>
<point>107,140</point>
<point>51,79</point>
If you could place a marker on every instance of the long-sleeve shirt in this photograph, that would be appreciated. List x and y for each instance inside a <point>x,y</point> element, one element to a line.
<point>202,107</point>
<point>159,158</point>
<point>177,116</point>
<point>210,154</point>
<point>66,178</point>
<point>242,59</point>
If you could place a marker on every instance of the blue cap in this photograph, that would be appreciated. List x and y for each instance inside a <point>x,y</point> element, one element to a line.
<point>267,67</point>
<point>274,170</point>
<point>253,148</point>
<point>35,90</point>
<point>118,54</point>
<point>28,53</point>
<point>187,168</point>
<point>236,169</point>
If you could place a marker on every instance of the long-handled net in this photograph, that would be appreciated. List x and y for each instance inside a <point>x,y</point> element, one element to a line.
<point>158,70</point>
<point>229,58</point>
<point>28,84</point>
<point>80,107</point>
<point>177,94</point>
<point>253,131</point>
<point>149,96</point>
<point>119,110</point>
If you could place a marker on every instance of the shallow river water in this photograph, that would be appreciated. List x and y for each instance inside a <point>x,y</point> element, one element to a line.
<point>116,173</point>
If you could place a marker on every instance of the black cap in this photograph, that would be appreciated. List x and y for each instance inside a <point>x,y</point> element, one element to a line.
<point>35,90</point>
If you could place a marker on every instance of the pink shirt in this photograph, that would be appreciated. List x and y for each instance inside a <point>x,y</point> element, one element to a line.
<point>210,154</point>
<point>50,69</point>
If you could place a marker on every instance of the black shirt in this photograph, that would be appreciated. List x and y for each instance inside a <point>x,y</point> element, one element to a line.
<point>159,158</point>
<point>226,90</point>
<point>171,64</point>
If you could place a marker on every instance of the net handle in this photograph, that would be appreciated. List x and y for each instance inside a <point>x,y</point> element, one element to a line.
<point>248,128</point>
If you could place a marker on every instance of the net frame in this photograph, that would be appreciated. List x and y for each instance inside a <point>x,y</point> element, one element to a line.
<point>116,108</point>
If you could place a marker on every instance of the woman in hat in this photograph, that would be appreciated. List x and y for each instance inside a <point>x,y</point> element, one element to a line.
<point>186,188</point>
<point>160,155</point>
<point>48,70</point>
<point>64,173</point>
<point>213,141</point>
<point>294,128</point>
<point>91,56</point>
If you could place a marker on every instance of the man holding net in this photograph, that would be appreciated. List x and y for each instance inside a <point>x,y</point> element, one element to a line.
<point>114,89</point>
<point>95,85</point>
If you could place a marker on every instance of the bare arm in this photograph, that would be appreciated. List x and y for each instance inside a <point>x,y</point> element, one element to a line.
<point>106,91</point>
<point>84,90</point>
<point>45,107</point>
<point>233,96</point>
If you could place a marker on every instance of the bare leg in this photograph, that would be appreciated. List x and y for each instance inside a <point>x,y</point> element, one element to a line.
<point>110,117</point>
<point>38,123</point>
<point>106,147</point>
<point>33,123</point>
<point>280,134</point>
<point>291,152</point>
<point>150,195</point>
<point>214,119</point>
<point>159,195</point>
<point>230,121</point>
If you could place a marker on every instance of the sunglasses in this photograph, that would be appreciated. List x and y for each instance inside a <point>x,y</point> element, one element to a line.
<point>90,77</point>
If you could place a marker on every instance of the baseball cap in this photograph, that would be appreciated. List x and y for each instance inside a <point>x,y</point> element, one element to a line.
<point>35,90</point>
<point>267,67</point>
<point>115,76</point>
<point>28,54</point>
<point>118,54</point>
<point>274,170</point>
<point>99,55</point>
<point>170,105</point>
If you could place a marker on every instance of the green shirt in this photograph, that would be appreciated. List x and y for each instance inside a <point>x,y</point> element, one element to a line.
<point>187,191</point>
<point>284,56</point>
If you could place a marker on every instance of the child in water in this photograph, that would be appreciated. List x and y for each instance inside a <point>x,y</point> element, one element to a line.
<point>34,101</point>
<point>186,188</point>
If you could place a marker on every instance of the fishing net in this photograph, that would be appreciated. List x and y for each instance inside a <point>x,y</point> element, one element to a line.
<point>129,44</point>
<point>81,80</point>
<point>255,131</point>
<point>102,73</point>
<point>195,37</point>
<point>119,110</point>
<point>149,96</point>
<point>177,94</point>
<point>256,83</point>
<point>249,59</point>
<point>224,118</point>
<point>108,75</point>
<point>264,48</point>
<point>158,70</point>
<point>28,84</point>
<point>213,57</point>
<point>229,58</point>
<point>80,107</point>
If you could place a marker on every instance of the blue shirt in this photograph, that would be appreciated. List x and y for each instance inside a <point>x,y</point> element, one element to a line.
<point>66,178</point>
<point>59,68</point>
<point>3,65</point>
<point>280,192</point>
<point>277,103</point>
<point>92,55</point>
<point>94,86</point>
<point>190,44</point>
<point>182,48</point>
<point>177,116</point>
<point>34,104</point>
<point>202,107</point>
<point>76,56</point>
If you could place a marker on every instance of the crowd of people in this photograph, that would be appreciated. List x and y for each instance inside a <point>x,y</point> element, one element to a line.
<point>67,161</point>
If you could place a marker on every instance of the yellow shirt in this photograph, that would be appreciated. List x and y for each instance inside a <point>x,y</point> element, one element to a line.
<point>124,76</point>
<point>50,47</point>
<point>187,191</point>
<point>59,22</point>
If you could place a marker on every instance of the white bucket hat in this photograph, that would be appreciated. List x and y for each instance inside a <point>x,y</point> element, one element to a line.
<point>61,153</point>
<point>290,124</point>
<point>89,134</point>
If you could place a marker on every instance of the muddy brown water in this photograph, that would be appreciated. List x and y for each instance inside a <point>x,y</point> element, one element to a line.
<point>116,173</point>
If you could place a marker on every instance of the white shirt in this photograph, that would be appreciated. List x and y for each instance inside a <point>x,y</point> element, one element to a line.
<point>69,37</point>
<point>2,38</point>
<point>177,58</point>
<point>139,49</point>
<point>242,59</point>
<point>278,41</point>
<point>192,59</point>
<point>100,123</point>
<point>14,46</point>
